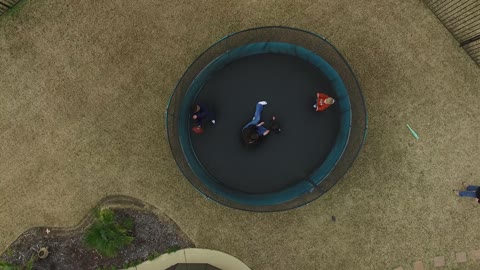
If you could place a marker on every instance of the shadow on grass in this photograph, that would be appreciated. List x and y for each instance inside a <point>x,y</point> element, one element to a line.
<point>16,8</point>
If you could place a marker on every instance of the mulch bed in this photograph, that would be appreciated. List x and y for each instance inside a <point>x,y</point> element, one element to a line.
<point>153,235</point>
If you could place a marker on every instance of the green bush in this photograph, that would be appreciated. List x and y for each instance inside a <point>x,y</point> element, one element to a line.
<point>128,223</point>
<point>172,249</point>
<point>106,234</point>
<point>133,263</point>
<point>29,265</point>
<point>8,266</point>
<point>154,255</point>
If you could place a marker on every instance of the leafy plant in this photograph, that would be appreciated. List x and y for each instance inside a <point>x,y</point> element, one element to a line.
<point>29,264</point>
<point>9,252</point>
<point>111,267</point>
<point>128,223</point>
<point>172,249</point>
<point>106,235</point>
<point>154,255</point>
<point>8,266</point>
<point>132,264</point>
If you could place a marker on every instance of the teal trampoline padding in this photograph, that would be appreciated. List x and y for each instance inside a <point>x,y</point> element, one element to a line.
<point>301,187</point>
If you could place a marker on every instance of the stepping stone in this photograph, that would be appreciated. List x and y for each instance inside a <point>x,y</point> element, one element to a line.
<point>439,261</point>
<point>461,257</point>
<point>476,254</point>
<point>418,266</point>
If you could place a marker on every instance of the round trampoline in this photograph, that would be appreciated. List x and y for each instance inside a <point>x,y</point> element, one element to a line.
<point>285,67</point>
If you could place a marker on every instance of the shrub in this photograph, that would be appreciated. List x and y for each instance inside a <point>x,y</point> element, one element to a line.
<point>29,264</point>
<point>134,263</point>
<point>106,235</point>
<point>152,256</point>
<point>8,266</point>
<point>128,223</point>
<point>172,249</point>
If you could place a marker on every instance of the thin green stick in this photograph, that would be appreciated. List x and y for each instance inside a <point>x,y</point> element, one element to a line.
<point>413,132</point>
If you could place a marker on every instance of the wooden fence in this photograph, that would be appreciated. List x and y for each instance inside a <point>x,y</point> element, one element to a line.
<point>462,19</point>
<point>7,4</point>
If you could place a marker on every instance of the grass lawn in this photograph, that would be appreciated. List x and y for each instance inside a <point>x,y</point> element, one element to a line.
<point>83,90</point>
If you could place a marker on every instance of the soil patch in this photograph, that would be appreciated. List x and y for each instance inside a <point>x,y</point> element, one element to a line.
<point>153,235</point>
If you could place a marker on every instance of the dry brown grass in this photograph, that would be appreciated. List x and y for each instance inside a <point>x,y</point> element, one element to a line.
<point>84,87</point>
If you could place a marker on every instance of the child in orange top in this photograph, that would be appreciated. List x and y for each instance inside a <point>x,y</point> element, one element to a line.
<point>323,102</point>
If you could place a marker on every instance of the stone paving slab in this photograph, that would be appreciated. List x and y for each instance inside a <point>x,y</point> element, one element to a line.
<point>476,254</point>
<point>418,266</point>
<point>439,261</point>
<point>461,257</point>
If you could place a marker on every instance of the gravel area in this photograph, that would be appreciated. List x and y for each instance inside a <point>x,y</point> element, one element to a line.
<point>153,235</point>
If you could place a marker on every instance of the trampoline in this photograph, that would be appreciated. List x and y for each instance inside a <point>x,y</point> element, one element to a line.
<point>286,67</point>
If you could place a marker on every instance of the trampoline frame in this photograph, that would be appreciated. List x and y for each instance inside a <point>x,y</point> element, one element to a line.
<point>310,41</point>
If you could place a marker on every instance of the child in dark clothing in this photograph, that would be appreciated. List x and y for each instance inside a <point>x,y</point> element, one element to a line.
<point>199,115</point>
<point>470,191</point>
<point>275,126</point>
<point>252,131</point>
<point>261,130</point>
<point>250,135</point>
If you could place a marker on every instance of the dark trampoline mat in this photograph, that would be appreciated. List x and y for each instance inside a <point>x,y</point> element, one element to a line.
<point>289,85</point>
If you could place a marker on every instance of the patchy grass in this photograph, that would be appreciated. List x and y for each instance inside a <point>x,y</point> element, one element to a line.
<point>84,89</point>
<point>172,249</point>
<point>8,266</point>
